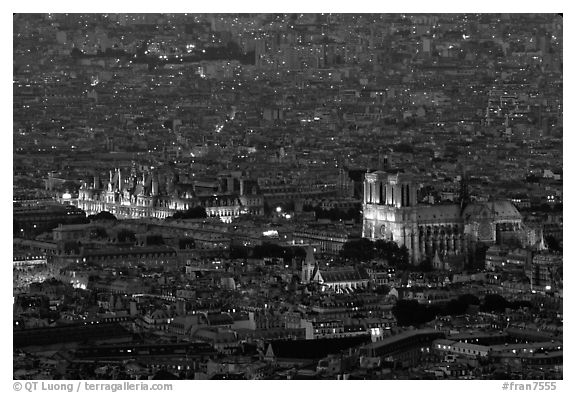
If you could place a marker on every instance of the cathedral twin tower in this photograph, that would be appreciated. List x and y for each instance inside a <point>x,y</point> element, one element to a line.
<point>388,214</point>
<point>391,190</point>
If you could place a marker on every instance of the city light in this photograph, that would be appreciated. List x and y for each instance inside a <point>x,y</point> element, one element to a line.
<point>412,163</point>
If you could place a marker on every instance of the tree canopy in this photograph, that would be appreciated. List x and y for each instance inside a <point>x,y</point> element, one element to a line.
<point>98,233</point>
<point>103,215</point>
<point>194,212</point>
<point>412,313</point>
<point>364,250</point>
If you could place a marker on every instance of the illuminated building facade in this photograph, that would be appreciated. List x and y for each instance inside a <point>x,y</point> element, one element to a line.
<point>391,212</point>
<point>338,280</point>
<point>142,195</point>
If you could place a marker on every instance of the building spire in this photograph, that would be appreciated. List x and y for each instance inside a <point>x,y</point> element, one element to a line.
<point>464,194</point>
<point>308,266</point>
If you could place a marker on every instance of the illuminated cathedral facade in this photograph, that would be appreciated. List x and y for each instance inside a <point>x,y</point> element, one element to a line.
<point>391,212</point>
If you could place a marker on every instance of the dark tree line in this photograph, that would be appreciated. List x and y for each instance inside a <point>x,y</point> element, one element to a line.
<point>363,250</point>
<point>98,233</point>
<point>412,313</point>
<point>194,212</point>
<point>102,216</point>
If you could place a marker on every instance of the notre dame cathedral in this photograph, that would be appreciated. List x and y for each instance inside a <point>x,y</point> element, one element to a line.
<point>391,212</point>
